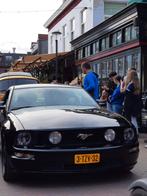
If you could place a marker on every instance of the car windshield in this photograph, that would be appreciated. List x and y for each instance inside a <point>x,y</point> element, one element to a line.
<point>52,97</point>
<point>5,84</point>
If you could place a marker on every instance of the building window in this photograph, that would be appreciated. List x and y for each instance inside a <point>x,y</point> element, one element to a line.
<point>111,8</point>
<point>136,61</point>
<point>127,34</point>
<point>121,66</point>
<point>51,43</point>
<point>115,65</point>
<point>8,58</point>
<point>83,52</point>
<point>110,66</point>
<point>134,33</point>
<point>130,33</point>
<point>72,28</point>
<point>64,36</point>
<point>104,43</point>
<point>83,20</point>
<point>104,69</point>
<point>95,67</point>
<point>128,62</point>
<point>116,38</point>
<point>107,42</point>
<point>87,51</point>
<point>92,49</point>
<point>96,47</point>
<point>79,54</point>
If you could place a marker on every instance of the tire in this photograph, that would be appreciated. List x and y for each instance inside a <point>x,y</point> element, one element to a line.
<point>138,192</point>
<point>6,170</point>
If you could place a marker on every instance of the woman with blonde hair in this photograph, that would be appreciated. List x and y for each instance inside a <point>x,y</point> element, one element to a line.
<point>132,101</point>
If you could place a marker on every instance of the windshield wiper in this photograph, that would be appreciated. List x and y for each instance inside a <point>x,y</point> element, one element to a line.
<point>22,107</point>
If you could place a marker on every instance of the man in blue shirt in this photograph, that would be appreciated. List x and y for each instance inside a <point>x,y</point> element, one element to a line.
<point>91,82</point>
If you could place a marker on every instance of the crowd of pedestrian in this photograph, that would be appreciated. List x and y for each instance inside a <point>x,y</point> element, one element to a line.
<point>121,93</point>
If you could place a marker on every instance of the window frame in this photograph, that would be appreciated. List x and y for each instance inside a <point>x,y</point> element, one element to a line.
<point>83,21</point>
<point>72,28</point>
<point>64,30</point>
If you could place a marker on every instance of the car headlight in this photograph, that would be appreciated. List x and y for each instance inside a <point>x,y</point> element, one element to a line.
<point>129,134</point>
<point>55,137</point>
<point>23,139</point>
<point>110,135</point>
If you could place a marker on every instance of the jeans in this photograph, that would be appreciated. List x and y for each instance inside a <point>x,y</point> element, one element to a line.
<point>109,107</point>
<point>117,108</point>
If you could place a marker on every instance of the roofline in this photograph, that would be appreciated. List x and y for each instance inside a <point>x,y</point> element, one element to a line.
<point>103,24</point>
<point>62,11</point>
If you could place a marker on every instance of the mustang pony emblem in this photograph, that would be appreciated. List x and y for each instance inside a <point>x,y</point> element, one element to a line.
<point>84,136</point>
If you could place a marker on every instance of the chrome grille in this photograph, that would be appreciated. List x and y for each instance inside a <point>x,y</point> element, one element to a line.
<point>87,138</point>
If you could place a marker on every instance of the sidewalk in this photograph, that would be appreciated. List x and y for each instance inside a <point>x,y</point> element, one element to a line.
<point>143,136</point>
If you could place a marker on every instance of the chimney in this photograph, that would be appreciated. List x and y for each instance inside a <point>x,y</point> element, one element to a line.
<point>13,49</point>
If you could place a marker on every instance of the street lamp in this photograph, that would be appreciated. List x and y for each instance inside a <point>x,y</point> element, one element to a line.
<point>56,33</point>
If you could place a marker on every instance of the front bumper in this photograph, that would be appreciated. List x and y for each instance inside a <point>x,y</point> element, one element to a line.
<point>62,161</point>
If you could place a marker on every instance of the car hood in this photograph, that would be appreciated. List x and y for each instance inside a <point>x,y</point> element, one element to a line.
<point>45,118</point>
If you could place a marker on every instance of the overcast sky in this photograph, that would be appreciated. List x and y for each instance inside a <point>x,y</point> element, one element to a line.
<point>22,20</point>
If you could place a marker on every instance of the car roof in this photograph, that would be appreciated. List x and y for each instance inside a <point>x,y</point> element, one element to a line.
<point>26,86</point>
<point>18,77</point>
<point>7,74</point>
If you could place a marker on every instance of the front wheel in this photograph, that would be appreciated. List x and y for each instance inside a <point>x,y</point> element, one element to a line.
<point>6,170</point>
<point>138,192</point>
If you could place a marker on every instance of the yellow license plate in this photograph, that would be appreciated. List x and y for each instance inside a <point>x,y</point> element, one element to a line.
<point>86,158</point>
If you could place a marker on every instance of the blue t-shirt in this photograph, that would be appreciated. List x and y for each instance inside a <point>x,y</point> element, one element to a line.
<point>91,84</point>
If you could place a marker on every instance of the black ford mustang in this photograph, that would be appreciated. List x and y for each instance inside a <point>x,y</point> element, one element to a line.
<point>61,129</point>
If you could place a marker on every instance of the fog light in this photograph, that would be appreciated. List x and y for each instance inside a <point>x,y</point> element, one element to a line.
<point>23,155</point>
<point>19,154</point>
<point>129,134</point>
<point>110,135</point>
<point>23,139</point>
<point>133,149</point>
<point>55,137</point>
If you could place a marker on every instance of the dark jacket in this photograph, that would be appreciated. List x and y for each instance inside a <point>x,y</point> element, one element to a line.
<point>117,97</point>
<point>132,103</point>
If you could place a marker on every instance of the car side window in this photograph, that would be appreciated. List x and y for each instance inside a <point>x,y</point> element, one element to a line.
<point>6,97</point>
